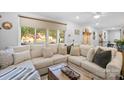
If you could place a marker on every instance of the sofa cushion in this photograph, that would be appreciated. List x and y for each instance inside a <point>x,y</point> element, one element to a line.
<point>93,68</point>
<point>76,59</point>
<point>6,58</point>
<point>90,54</point>
<point>21,56</point>
<point>63,50</point>
<point>54,48</point>
<point>75,51</point>
<point>102,58</point>
<point>21,48</point>
<point>42,62</point>
<point>47,52</point>
<point>114,68</point>
<point>36,51</point>
<point>84,49</point>
<point>58,58</point>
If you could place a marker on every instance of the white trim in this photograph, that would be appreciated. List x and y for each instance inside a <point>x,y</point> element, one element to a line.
<point>58,36</point>
<point>19,31</point>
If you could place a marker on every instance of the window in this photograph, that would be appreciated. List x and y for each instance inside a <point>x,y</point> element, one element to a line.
<point>52,36</point>
<point>27,35</point>
<point>40,36</point>
<point>30,35</point>
<point>61,36</point>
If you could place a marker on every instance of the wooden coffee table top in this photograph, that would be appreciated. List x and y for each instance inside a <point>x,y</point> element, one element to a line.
<point>55,73</point>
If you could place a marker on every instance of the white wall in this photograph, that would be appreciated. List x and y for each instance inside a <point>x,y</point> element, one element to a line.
<point>12,37</point>
<point>70,30</point>
<point>97,32</point>
<point>113,35</point>
<point>9,37</point>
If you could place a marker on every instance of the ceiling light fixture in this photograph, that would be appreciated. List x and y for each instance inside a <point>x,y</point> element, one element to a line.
<point>77,17</point>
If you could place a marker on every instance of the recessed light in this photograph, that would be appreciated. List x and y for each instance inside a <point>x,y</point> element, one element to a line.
<point>112,28</point>
<point>77,17</point>
<point>97,16</point>
<point>97,24</point>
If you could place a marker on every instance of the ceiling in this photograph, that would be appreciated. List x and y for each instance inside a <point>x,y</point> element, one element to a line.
<point>106,20</point>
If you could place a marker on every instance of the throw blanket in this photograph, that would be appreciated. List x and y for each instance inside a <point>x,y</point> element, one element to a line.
<point>19,73</point>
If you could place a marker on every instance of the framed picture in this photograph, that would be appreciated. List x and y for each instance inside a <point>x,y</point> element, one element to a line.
<point>94,35</point>
<point>77,32</point>
<point>104,35</point>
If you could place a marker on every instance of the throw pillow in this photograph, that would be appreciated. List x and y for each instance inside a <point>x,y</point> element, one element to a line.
<point>84,49</point>
<point>21,56</point>
<point>47,52</point>
<point>90,54</point>
<point>54,47</point>
<point>102,58</point>
<point>63,50</point>
<point>6,58</point>
<point>113,50</point>
<point>75,51</point>
<point>36,51</point>
<point>21,48</point>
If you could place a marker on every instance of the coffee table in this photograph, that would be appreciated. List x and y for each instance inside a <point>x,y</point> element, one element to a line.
<point>55,73</point>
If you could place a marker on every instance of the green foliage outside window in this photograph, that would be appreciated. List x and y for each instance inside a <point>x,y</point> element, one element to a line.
<point>25,31</point>
<point>52,36</point>
<point>61,34</point>
<point>28,35</point>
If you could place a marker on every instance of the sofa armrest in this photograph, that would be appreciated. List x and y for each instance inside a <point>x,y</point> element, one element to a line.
<point>113,69</point>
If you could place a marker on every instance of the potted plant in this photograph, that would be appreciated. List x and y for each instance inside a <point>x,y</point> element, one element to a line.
<point>120,44</point>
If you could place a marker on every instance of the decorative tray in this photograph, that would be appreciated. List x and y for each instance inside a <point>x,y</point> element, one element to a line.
<point>70,73</point>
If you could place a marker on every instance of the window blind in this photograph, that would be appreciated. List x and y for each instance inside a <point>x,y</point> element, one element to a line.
<point>43,24</point>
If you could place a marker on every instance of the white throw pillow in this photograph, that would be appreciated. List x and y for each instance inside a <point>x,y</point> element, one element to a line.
<point>21,48</point>
<point>21,56</point>
<point>54,48</point>
<point>75,51</point>
<point>36,51</point>
<point>6,58</point>
<point>47,52</point>
<point>90,54</point>
<point>84,49</point>
<point>63,50</point>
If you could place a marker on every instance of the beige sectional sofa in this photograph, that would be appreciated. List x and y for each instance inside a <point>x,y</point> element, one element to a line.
<point>42,59</point>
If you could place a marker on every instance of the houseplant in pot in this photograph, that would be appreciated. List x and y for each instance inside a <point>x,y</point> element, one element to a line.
<point>120,44</point>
